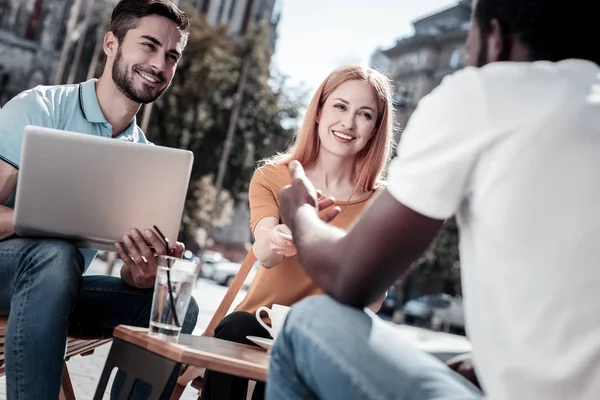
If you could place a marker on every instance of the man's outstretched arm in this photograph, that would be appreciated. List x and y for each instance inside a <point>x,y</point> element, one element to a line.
<point>357,266</point>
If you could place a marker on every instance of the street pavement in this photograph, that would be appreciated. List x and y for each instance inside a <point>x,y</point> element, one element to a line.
<point>85,371</point>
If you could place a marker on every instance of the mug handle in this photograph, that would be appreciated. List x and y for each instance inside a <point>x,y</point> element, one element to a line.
<point>261,322</point>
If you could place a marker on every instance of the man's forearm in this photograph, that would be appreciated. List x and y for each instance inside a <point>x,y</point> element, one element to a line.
<point>317,246</point>
<point>7,226</point>
<point>358,266</point>
<point>324,256</point>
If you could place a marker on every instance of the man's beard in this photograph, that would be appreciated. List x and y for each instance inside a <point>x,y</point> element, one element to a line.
<point>126,85</point>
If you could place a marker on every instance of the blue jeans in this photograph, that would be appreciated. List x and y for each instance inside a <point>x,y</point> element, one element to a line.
<point>329,351</point>
<point>43,292</point>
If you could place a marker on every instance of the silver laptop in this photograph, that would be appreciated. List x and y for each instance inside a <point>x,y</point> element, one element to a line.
<point>93,190</point>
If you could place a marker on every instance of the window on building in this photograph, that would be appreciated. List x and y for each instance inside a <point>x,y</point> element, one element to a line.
<point>232,9</point>
<point>62,32</point>
<point>36,20</point>
<point>5,11</point>
<point>260,11</point>
<point>423,55</point>
<point>401,97</point>
<point>455,59</point>
<point>220,11</point>
<point>411,59</point>
<point>277,9</point>
<point>24,18</point>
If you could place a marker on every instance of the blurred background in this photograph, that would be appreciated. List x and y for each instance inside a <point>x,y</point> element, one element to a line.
<point>238,96</point>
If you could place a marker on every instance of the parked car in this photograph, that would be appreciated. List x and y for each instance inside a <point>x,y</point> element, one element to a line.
<point>224,271</point>
<point>209,259</point>
<point>188,255</point>
<point>389,303</point>
<point>442,310</point>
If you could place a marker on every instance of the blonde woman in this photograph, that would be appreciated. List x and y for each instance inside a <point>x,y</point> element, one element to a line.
<point>344,143</point>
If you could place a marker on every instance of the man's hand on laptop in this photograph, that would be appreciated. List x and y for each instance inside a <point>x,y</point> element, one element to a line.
<point>139,252</point>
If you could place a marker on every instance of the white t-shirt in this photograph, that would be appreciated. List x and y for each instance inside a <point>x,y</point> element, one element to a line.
<point>513,149</point>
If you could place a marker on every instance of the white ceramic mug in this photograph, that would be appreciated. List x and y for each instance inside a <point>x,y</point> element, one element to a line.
<point>277,315</point>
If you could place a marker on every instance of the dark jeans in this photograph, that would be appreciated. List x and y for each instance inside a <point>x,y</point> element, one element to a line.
<point>218,386</point>
<point>43,292</point>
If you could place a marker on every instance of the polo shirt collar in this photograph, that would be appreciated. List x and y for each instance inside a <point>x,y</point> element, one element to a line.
<point>89,102</point>
<point>93,113</point>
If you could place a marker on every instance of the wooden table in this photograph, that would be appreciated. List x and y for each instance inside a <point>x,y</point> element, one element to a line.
<point>146,357</point>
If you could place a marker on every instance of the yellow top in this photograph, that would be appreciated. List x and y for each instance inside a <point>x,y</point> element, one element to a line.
<point>286,283</point>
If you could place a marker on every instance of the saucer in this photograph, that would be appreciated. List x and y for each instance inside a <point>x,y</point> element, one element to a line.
<point>262,342</point>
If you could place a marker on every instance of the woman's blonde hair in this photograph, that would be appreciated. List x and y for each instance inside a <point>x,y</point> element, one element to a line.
<point>370,161</point>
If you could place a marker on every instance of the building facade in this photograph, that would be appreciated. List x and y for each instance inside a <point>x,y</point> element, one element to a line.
<point>33,34</point>
<point>418,63</point>
<point>240,15</point>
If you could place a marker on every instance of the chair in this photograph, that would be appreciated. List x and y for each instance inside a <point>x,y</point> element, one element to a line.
<point>76,345</point>
<point>194,375</point>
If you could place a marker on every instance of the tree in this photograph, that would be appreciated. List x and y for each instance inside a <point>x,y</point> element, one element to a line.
<point>213,211</point>
<point>441,261</point>
<point>194,113</point>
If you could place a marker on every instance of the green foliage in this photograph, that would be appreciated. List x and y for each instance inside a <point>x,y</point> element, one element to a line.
<point>441,260</point>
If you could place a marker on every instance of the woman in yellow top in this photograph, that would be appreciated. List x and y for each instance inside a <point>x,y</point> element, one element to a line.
<point>344,144</point>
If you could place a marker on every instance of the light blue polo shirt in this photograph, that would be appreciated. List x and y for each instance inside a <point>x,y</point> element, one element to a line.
<point>68,107</point>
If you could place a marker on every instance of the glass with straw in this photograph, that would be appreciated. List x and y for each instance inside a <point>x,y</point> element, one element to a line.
<point>175,281</point>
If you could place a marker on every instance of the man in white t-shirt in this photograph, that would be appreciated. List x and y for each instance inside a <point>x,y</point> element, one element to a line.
<point>512,148</point>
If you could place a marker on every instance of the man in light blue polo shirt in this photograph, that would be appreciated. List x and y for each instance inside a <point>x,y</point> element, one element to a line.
<point>41,285</point>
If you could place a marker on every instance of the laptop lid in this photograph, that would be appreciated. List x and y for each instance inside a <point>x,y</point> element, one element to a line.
<point>93,190</point>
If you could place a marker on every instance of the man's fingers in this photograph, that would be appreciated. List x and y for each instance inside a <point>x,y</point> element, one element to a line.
<point>145,251</point>
<point>331,214</point>
<point>325,203</point>
<point>123,254</point>
<point>178,250</point>
<point>296,170</point>
<point>157,243</point>
<point>279,241</point>
<point>132,250</point>
<point>286,251</point>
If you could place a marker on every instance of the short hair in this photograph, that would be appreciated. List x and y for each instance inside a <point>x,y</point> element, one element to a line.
<point>127,14</point>
<point>552,30</point>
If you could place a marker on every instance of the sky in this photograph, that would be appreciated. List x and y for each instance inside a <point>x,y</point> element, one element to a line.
<point>315,36</point>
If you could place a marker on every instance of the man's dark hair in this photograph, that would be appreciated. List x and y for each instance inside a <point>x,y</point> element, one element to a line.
<point>127,14</point>
<point>552,30</point>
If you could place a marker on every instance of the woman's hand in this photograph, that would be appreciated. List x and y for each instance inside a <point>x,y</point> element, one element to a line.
<point>280,245</point>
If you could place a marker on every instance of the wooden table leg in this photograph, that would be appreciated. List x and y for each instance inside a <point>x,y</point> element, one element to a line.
<point>138,364</point>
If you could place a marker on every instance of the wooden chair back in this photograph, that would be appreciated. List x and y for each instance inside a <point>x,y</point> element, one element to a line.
<point>193,374</point>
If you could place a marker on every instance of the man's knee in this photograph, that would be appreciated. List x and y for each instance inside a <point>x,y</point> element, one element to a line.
<point>55,261</point>
<point>58,252</point>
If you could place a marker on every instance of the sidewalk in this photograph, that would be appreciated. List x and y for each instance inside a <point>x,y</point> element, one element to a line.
<point>85,371</point>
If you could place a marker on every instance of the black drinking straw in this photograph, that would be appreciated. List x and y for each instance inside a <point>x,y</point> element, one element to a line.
<point>169,276</point>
